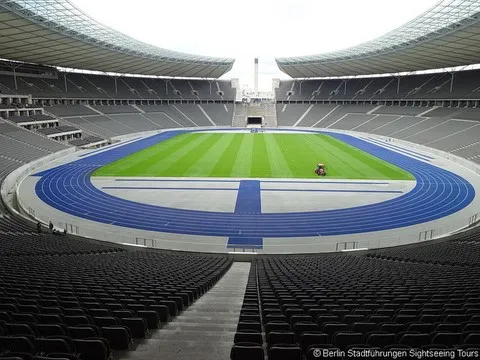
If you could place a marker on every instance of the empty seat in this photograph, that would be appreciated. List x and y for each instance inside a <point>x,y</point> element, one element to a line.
<point>81,332</point>
<point>119,337</point>
<point>343,339</point>
<point>380,339</point>
<point>162,311</point>
<point>447,338</point>
<point>91,349</point>
<point>45,330</point>
<point>77,320</point>
<point>332,328</point>
<point>246,336</point>
<point>249,325</point>
<point>308,339</point>
<point>420,327</point>
<point>301,327</point>
<point>285,352</point>
<point>48,345</point>
<point>415,340</point>
<point>106,321</point>
<point>280,337</point>
<point>151,317</point>
<point>18,329</point>
<point>363,327</point>
<point>471,338</point>
<point>49,319</point>
<point>138,326</point>
<point>17,344</point>
<point>277,325</point>
<point>247,351</point>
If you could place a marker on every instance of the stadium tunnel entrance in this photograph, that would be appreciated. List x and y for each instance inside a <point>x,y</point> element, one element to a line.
<point>254,121</point>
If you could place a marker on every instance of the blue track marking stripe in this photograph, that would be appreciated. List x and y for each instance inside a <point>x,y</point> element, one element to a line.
<point>248,198</point>
<point>234,189</point>
<point>164,188</point>
<point>179,180</point>
<point>340,191</point>
<point>322,181</point>
<point>212,180</point>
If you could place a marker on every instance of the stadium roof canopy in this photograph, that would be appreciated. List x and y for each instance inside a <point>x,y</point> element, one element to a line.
<point>447,35</point>
<point>55,32</point>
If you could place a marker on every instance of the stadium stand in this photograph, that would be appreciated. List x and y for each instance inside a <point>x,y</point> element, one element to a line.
<point>423,297</point>
<point>411,87</point>
<point>90,86</point>
<point>114,120</point>
<point>454,130</point>
<point>90,299</point>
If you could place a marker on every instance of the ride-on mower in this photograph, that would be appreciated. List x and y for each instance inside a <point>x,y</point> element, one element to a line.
<point>320,170</point>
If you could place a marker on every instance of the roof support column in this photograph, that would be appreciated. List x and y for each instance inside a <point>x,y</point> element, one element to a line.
<point>300,87</point>
<point>398,85</point>
<point>65,81</point>
<point>451,82</point>
<point>15,75</point>
<point>210,83</point>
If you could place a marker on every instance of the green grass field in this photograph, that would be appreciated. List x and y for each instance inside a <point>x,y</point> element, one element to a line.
<point>253,156</point>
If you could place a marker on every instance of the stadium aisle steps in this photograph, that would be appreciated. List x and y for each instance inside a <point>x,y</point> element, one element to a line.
<point>206,329</point>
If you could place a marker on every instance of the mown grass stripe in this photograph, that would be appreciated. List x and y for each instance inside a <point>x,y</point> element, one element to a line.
<point>226,160</point>
<point>260,164</point>
<point>278,163</point>
<point>243,160</point>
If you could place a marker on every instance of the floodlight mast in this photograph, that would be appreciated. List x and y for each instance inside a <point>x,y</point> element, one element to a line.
<point>255,76</point>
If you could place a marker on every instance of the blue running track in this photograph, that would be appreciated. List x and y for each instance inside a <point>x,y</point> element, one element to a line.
<point>437,193</point>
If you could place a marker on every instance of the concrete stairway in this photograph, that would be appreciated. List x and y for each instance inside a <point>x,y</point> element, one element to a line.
<point>239,115</point>
<point>270,115</point>
<point>206,329</point>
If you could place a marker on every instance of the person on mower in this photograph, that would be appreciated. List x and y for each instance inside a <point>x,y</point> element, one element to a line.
<point>320,170</point>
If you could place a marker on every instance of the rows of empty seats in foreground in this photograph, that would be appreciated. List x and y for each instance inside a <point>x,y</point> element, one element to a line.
<point>392,300</point>
<point>74,299</point>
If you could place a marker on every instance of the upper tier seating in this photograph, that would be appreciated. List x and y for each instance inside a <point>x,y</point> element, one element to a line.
<point>466,85</point>
<point>89,86</point>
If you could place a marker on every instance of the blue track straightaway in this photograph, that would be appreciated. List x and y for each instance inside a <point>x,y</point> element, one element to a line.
<point>437,193</point>
<point>248,203</point>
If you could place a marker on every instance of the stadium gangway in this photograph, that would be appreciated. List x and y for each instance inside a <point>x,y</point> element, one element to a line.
<point>426,235</point>
<point>345,245</point>
<point>473,219</point>
<point>71,229</point>
<point>146,242</point>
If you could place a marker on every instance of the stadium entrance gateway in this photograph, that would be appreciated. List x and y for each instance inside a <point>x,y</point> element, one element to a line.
<point>254,121</point>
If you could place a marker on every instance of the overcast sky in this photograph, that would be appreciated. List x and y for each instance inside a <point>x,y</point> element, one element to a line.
<point>249,28</point>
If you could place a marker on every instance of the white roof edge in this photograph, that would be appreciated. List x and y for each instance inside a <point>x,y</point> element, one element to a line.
<point>64,17</point>
<point>444,17</point>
